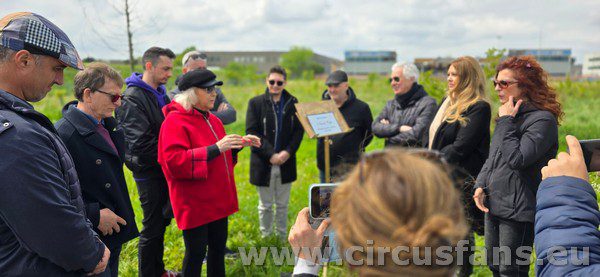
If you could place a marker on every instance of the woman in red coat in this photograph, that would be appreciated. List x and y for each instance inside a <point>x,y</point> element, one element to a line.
<point>197,158</point>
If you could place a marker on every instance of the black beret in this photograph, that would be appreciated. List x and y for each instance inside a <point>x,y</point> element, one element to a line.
<point>200,78</point>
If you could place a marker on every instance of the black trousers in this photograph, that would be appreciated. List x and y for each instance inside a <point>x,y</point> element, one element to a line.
<point>213,235</point>
<point>154,198</point>
<point>510,235</point>
<point>466,269</point>
<point>113,262</point>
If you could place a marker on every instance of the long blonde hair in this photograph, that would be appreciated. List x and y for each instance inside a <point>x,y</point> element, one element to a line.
<point>394,198</point>
<point>469,90</point>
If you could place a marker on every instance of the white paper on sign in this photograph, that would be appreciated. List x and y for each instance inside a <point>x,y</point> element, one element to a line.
<point>324,124</point>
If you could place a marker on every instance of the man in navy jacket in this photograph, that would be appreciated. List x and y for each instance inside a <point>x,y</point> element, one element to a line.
<point>88,130</point>
<point>43,225</point>
<point>567,218</point>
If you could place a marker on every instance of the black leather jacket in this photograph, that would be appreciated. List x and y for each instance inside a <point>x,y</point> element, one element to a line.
<point>140,118</point>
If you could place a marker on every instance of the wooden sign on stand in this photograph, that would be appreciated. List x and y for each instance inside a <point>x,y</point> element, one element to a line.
<point>321,120</point>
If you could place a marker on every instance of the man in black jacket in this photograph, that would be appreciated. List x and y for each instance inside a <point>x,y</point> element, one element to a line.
<point>140,117</point>
<point>405,119</point>
<point>87,128</point>
<point>222,109</point>
<point>43,226</point>
<point>345,148</point>
<point>272,117</point>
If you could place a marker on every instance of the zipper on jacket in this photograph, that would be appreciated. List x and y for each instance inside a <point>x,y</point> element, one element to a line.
<point>276,125</point>
<point>224,155</point>
<point>282,114</point>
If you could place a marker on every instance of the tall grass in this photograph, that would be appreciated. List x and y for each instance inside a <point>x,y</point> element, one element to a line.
<point>580,101</point>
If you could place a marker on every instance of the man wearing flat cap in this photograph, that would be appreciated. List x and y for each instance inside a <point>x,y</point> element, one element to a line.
<point>43,225</point>
<point>345,148</point>
<point>194,60</point>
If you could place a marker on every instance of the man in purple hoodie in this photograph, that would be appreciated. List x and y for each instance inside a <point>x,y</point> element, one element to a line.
<point>140,117</point>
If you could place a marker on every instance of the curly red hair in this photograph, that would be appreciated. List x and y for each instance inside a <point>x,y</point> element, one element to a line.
<point>533,82</point>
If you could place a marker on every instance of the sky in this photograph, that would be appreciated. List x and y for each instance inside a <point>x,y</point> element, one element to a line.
<point>412,28</point>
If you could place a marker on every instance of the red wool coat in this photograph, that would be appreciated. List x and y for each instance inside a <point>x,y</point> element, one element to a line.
<point>201,191</point>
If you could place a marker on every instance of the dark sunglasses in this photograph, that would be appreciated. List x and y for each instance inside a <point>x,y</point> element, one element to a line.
<point>395,79</point>
<point>113,97</point>
<point>194,57</point>
<point>503,83</point>
<point>279,83</point>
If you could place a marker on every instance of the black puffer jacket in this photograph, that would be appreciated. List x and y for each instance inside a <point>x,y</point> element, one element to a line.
<point>345,148</point>
<point>521,146</point>
<point>417,111</point>
<point>261,122</point>
<point>140,118</point>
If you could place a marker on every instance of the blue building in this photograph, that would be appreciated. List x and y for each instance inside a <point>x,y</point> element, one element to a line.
<point>366,62</point>
<point>557,62</point>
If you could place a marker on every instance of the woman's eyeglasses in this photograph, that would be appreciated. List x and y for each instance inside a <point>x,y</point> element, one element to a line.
<point>273,82</point>
<point>503,83</point>
<point>210,90</point>
<point>113,97</point>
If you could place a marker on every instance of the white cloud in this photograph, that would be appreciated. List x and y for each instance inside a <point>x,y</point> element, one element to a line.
<point>412,28</point>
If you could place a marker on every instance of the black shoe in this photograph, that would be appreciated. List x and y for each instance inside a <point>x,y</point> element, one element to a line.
<point>230,253</point>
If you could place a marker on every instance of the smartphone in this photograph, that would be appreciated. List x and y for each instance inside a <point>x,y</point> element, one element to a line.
<point>320,200</point>
<point>591,154</point>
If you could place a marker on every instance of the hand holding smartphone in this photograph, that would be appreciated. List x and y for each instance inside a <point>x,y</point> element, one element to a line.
<point>591,154</point>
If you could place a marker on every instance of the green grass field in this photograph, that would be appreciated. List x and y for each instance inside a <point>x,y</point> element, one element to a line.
<point>580,101</point>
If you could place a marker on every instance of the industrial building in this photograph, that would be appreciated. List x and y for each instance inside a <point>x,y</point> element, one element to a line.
<point>557,62</point>
<point>264,60</point>
<point>366,62</point>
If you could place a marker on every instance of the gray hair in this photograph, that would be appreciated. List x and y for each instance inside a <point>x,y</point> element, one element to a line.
<point>7,53</point>
<point>409,70</point>
<point>186,98</point>
<point>193,56</point>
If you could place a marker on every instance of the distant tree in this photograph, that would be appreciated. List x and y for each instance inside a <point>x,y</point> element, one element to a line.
<point>240,74</point>
<point>179,57</point>
<point>300,64</point>
<point>435,87</point>
<point>108,31</point>
<point>89,60</point>
<point>492,57</point>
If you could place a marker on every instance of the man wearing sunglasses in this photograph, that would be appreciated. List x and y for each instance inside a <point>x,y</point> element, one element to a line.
<point>272,117</point>
<point>222,109</point>
<point>404,121</point>
<point>98,150</point>
<point>345,148</point>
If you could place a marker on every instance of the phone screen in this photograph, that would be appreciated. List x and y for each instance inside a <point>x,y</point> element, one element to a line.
<point>591,154</point>
<point>320,200</point>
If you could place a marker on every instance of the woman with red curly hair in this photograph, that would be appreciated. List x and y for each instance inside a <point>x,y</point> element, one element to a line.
<point>525,139</point>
